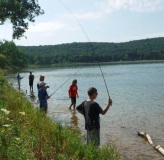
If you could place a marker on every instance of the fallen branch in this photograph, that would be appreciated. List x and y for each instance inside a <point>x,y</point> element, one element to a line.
<point>148,138</point>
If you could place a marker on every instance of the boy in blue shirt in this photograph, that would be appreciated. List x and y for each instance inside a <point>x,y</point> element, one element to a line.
<point>43,96</point>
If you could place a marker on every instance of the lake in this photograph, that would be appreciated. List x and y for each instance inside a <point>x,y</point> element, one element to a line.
<point>137,91</point>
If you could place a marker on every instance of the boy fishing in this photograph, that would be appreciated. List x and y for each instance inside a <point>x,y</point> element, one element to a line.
<point>91,110</point>
<point>43,96</point>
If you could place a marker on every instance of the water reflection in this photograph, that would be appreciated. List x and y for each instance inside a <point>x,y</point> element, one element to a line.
<point>74,119</point>
<point>33,98</point>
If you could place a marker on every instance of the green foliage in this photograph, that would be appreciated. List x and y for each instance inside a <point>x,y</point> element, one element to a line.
<point>27,133</point>
<point>3,61</point>
<point>147,49</point>
<point>19,12</point>
<point>12,56</point>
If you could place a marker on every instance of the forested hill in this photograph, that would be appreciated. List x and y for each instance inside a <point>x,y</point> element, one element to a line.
<point>146,49</point>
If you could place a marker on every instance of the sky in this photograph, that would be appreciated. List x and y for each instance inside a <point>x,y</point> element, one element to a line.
<point>68,21</point>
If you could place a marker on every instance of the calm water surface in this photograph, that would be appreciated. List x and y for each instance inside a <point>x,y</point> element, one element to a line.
<point>137,91</point>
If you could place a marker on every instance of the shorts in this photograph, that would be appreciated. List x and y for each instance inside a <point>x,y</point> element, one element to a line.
<point>73,100</point>
<point>93,137</point>
<point>30,83</point>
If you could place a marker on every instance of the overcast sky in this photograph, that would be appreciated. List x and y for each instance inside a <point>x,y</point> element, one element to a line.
<point>67,21</point>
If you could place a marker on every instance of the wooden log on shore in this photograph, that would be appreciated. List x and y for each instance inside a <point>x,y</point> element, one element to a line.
<point>148,138</point>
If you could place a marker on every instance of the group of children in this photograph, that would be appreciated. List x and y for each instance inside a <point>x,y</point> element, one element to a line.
<point>43,95</point>
<point>88,108</point>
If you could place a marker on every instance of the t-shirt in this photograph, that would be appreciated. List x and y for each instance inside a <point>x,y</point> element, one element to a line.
<point>73,90</point>
<point>42,94</point>
<point>38,84</point>
<point>31,77</point>
<point>91,111</point>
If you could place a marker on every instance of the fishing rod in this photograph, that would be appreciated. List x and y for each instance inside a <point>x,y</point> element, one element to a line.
<point>88,41</point>
<point>104,80</point>
<point>65,82</point>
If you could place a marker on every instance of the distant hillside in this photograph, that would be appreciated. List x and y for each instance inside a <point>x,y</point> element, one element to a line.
<point>146,49</point>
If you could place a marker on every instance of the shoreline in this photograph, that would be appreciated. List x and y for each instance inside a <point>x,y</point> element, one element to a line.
<point>94,63</point>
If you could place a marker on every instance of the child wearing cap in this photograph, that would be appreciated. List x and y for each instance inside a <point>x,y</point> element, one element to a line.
<point>43,96</point>
<point>41,79</point>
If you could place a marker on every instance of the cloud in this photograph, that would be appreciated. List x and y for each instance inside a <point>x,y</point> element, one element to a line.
<point>109,6</point>
<point>89,15</point>
<point>156,34</point>
<point>106,7</point>
<point>139,37</point>
<point>46,26</point>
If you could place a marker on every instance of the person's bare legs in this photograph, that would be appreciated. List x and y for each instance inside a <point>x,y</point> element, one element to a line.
<point>70,106</point>
<point>74,105</point>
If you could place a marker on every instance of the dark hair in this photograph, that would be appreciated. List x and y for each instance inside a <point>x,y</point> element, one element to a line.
<point>41,78</point>
<point>91,90</point>
<point>74,81</point>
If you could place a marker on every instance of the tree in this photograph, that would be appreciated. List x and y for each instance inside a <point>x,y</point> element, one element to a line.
<point>15,57</point>
<point>3,61</point>
<point>19,12</point>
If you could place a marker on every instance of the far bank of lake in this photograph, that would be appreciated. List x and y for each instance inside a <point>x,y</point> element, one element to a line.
<point>92,64</point>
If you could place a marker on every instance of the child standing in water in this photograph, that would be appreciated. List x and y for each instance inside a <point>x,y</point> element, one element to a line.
<point>72,92</point>
<point>19,80</point>
<point>31,80</point>
<point>91,111</point>
<point>41,79</point>
<point>43,96</point>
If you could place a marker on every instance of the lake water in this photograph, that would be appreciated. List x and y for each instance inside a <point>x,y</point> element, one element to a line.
<point>137,91</point>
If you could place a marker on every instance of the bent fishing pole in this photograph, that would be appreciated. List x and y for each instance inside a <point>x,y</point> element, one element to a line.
<point>65,82</point>
<point>104,79</point>
<point>88,41</point>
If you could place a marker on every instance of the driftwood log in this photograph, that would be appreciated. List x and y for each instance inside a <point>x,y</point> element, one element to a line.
<point>148,138</point>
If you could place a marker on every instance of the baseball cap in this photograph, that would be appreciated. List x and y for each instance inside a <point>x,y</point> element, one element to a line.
<point>42,84</point>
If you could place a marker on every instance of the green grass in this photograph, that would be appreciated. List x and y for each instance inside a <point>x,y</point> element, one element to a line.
<point>28,134</point>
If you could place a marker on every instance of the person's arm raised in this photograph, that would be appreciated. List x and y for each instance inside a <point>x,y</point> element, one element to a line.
<point>107,107</point>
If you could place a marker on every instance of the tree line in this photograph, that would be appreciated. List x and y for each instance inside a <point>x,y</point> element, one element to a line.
<point>89,52</point>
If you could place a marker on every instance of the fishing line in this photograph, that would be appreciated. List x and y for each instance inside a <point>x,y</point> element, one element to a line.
<point>65,82</point>
<point>75,19</point>
<point>88,41</point>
